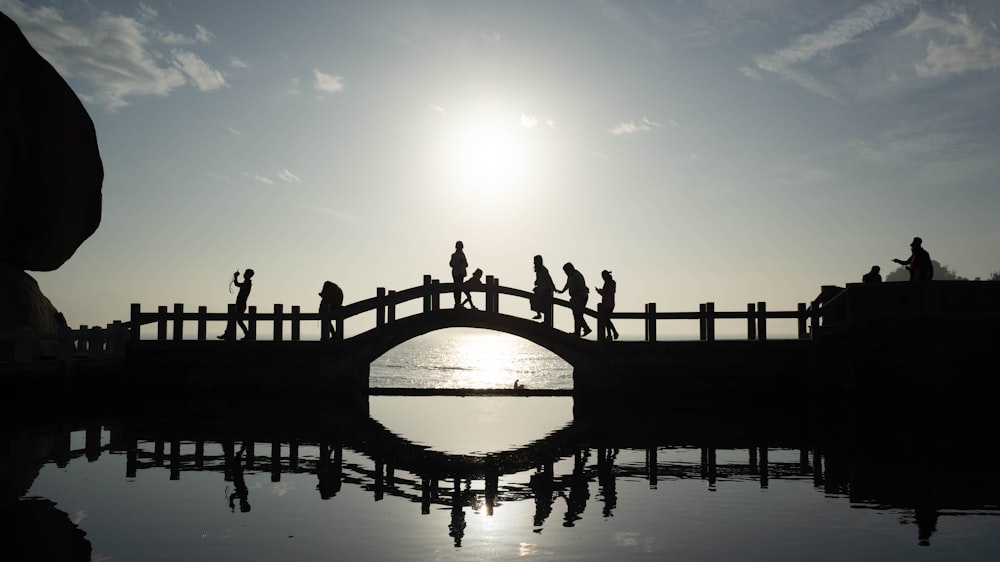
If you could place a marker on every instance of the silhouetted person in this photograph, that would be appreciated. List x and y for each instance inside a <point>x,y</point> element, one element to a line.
<point>919,263</point>
<point>241,305</point>
<point>872,276</point>
<point>475,281</point>
<point>578,295</point>
<point>331,298</point>
<point>607,293</point>
<point>544,288</point>
<point>329,473</point>
<point>459,266</point>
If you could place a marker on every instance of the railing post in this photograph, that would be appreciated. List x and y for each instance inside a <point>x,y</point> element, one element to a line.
<point>803,315</point>
<point>252,323</point>
<point>436,295</point>
<point>279,321</point>
<point>390,309</point>
<point>550,307</point>
<point>710,321</point>
<point>202,323</point>
<point>762,321</point>
<point>67,347</point>
<point>427,293</point>
<point>115,339</point>
<point>380,309</point>
<point>339,323</point>
<point>178,321</point>
<point>815,312</point>
<point>751,322</point>
<point>230,321</point>
<point>602,321</point>
<point>490,293</point>
<point>161,323</point>
<point>702,330</point>
<point>651,321</point>
<point>296,322</point>
<point>134,325</point>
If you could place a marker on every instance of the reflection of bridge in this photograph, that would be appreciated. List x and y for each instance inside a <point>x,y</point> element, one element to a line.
<point>872,464</point>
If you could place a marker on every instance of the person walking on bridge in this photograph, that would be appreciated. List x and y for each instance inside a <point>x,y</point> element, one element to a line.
<point>241,305</point>
<point>459,266</point>
<point>607,293</point>
<point>578,295</point>
<point>541,299</point>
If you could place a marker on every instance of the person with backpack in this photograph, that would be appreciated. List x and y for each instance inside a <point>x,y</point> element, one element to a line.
<point>331,298</point>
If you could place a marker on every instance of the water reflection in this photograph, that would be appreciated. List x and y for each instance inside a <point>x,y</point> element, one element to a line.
<point>871,466</point>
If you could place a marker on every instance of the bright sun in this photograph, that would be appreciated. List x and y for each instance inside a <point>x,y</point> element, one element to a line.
<point>488,153</point>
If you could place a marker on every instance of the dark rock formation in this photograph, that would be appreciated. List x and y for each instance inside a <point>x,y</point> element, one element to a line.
<point>23,304</point>
<point>50,166</point>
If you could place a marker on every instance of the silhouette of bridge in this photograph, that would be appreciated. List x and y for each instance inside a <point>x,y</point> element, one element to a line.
<point>860,327</point>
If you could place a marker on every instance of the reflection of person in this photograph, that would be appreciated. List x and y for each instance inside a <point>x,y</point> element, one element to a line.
<point>475,281</point>
<point>872,276</point>
<point>241,305</point>
<point>578,295</point>
<point>919,263</point>
<point>458,265</point>
<point>332,297</point>
<point>235,468</point>
<point>544,287</point>
<point>607,293</point>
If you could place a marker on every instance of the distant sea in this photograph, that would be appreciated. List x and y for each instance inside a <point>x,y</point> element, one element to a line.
<point>470,358</point>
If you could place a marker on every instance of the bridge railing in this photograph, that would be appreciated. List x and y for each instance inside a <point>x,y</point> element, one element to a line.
<point>387,305</point>
<point>25,348</point>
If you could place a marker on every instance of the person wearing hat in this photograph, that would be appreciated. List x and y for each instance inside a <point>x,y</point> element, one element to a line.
<point>919,263</point>
<point>607,293</point>
<point>241,305</point>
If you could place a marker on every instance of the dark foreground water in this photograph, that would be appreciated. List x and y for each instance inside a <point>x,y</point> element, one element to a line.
<point>500,478</point>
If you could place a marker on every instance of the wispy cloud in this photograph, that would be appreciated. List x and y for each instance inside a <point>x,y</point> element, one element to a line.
<point>201,74</point>
<point>644,125</point>
<point>294,89</point>
<point>528,121</point>
<point>236,132</point>
<point>117,57</point>
<point>789,63</point>
<point>260,178</point>
<point>288,176</point>
<point>330,83</point>
<point>956,46</point>
<point>439,109</point>
<point>236,62</point>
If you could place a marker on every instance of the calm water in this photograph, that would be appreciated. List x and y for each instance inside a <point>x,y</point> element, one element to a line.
<point>501,478</point>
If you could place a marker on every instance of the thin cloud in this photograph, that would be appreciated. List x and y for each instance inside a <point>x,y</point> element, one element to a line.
<point>237,63</point>
<point>439,109</point>
<point>203,76</point>
<point>528,121</point>
<point>786,63</point>
<point>235,132</point>
<point>260,178</point>
<point>294,90</point>
<point>288,176</point>
<point>116,57</point>
<point>330,83</point>
<point>957,46</point>
<point>644,125</point>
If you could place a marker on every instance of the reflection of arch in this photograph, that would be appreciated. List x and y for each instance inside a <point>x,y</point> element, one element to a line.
<point>370,345</point>
<point>372,439</point>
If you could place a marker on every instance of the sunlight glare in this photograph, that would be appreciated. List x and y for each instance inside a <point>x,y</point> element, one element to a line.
<point>488,153</point>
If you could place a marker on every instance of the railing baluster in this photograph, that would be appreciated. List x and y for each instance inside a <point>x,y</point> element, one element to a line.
<point>161,323</point>
<point>279,321</point>
<point>710,321</point>
<point>380,308</point>
<point>296,322</point>
<point>252,324</point>
<point>751,321</point>
<point>762,321</point>
<point>178,321</point>
<point>202,323</point>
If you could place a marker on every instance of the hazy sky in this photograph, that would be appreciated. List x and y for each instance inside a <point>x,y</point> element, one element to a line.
<point>731,151</point>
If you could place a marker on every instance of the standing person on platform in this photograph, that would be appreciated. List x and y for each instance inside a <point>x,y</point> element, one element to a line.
<point>578,295</point>
<point>459,265</point>
<point>541,300</point>
<point>331,298</point>
<point>607,293</point>
<point>919,263</point>
<point>241,305</point>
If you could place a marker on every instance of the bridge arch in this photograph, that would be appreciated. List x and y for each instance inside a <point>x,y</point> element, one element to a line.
<point>370,345</point>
